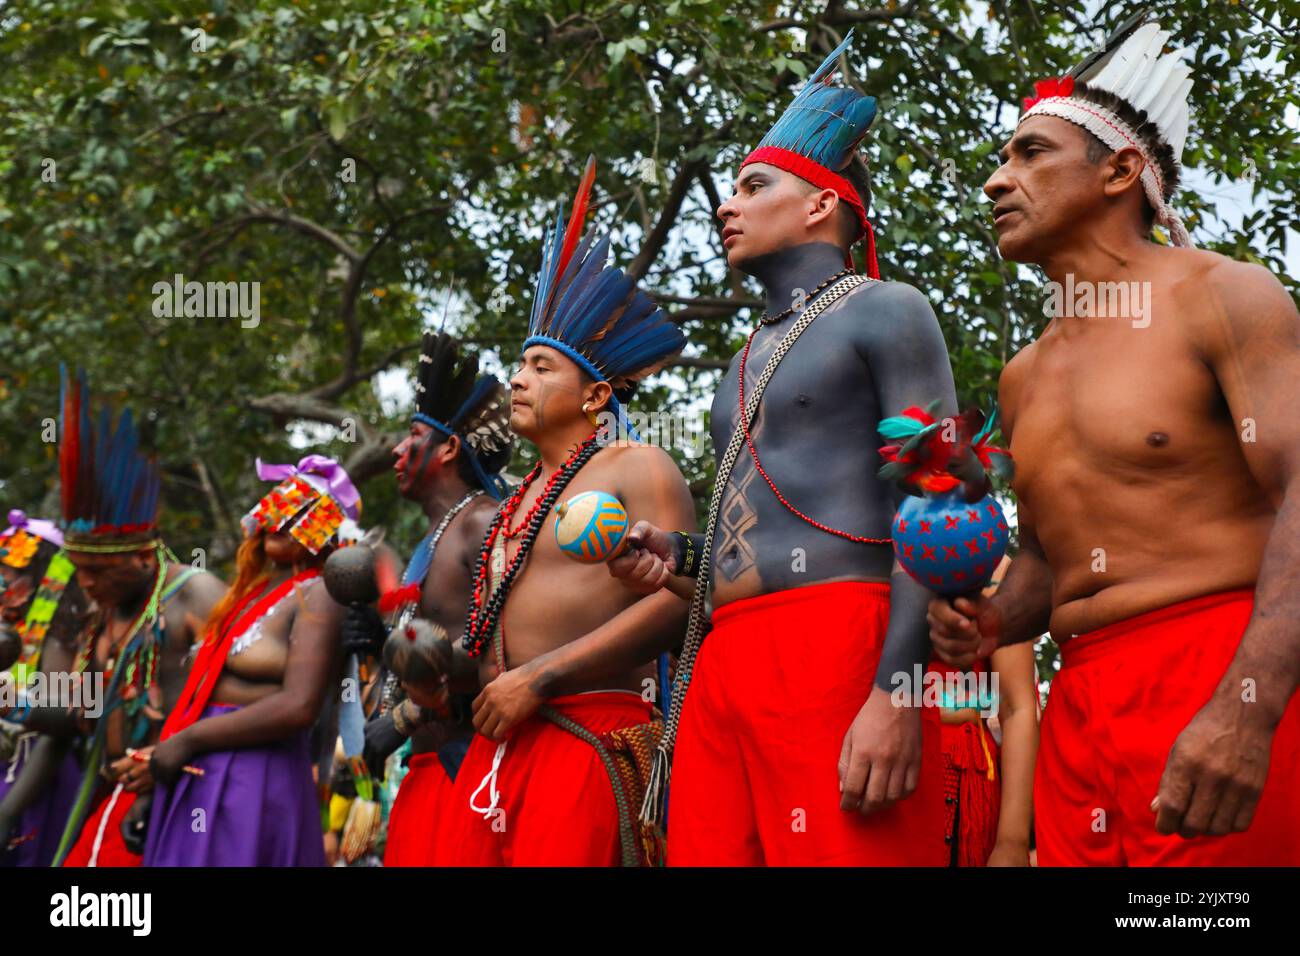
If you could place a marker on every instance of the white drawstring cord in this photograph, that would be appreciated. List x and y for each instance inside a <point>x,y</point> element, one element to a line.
<point>489,781</point>
<point>109,804</point>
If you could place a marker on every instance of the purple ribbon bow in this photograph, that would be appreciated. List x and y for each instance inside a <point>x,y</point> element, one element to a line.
<point>47,530</point>
<point>324,474</point>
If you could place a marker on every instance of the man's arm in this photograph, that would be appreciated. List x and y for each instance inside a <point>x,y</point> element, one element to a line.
<point>651,487</point>
<point>900,341</point>
<point>186,615</point>
<point>464,669</point>
<point>966,629</point>
<point>1018,717</point>
<point>908,361</point>
<point>1251,341</point>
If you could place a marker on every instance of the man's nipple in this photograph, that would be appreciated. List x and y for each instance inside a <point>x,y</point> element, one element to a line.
<point>1157,439</point>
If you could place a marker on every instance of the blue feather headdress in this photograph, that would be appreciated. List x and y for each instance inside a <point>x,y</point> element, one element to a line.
<point>825,123</point>
<point>817,135</point>
<point>453,399</point>
<point>109,488</point>
<point>592,312</point>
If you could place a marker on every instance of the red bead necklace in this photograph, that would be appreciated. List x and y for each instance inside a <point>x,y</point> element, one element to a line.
<point>744,422</point>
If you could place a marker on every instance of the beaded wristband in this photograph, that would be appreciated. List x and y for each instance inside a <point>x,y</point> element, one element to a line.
<point>403,722</point>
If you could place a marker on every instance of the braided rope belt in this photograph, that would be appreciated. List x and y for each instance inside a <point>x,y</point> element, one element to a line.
<point>653,807</point>
<point>624,753</point>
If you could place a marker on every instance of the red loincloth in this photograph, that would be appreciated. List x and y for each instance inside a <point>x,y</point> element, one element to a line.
<point>972,783</point>
<point>972,800</point>
<point>413,821</point>
<point>1122,696</point>
<point>555,803</point>
<point>755,776</point>
<point>112,849</point>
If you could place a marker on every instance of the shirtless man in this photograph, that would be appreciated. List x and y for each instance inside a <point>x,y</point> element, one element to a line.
<point>564,653</point>
<point>151,610</point>
<point>459,439</point>
<point>1155,450</point>
<point>790,751</point>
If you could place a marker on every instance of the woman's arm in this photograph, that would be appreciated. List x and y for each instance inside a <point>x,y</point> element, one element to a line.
<point>1018,715</point>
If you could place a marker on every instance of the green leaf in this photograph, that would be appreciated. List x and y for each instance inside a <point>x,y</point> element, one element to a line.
<point>338,120</point>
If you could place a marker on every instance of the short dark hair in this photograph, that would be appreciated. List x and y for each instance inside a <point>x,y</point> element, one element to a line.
<point>1147,133</point>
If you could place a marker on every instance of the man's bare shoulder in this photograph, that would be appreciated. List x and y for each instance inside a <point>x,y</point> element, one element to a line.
<point>889,304</point>
<point>474,523</point>
<point>202,588</point>
<point>1245,302</point>
<point>637,459</point>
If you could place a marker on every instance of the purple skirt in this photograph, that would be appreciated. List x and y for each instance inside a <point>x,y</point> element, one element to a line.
<point>45,819</point>
<point>252,807</point>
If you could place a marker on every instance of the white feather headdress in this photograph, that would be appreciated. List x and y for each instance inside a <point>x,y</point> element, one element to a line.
<point>1133,67</point>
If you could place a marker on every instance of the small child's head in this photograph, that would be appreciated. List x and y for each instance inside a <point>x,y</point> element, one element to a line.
<point>419,654</point>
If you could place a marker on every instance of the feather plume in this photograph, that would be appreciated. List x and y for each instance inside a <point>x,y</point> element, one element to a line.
<point>107,482</point>
<point>925,457</point>
<point>825,122</point>
<point>595,308</point>
<point>1095,62</point>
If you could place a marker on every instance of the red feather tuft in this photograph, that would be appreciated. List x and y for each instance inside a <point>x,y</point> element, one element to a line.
<point>70,446</point>
<point>573,232</point>
<point>1050,88</point>
<point>390,601</point>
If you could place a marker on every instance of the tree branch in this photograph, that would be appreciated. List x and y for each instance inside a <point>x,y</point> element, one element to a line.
<point>655,239</point>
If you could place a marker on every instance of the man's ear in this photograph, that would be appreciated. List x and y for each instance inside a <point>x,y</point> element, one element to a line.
<point>1123,170</point>
<point>822,206</point>
<point>449,449</point>
<point>596,397</point>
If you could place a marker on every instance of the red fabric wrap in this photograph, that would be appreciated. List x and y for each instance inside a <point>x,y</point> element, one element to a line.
<point>211,658</point>
<point>823,178</point>
<point>416,812</point>
<point>775,688</point>
<point>112,848</point>
<point>556,803</point>
<point>1123,695</point>
<point>975,799</point>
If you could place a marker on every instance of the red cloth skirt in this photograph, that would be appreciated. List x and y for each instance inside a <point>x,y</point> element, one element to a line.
<point>755,779</point>
<point>104,827</point>
<point>413,821</point>
<point>554,803</point>
<point>1123,695</point>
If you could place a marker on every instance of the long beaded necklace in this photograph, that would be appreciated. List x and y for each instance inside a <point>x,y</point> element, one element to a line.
<point>139,666</point>
<point>749,440</point>
<point>484,609</point>
<point>423,557</point>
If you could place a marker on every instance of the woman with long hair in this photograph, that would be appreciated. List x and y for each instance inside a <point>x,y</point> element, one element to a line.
<point>234,767</point>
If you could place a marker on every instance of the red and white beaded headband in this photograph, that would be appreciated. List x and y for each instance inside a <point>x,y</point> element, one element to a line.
<point>1053,99</point>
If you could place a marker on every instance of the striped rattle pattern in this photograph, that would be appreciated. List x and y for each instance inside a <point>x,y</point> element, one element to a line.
<point>590,526</point>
